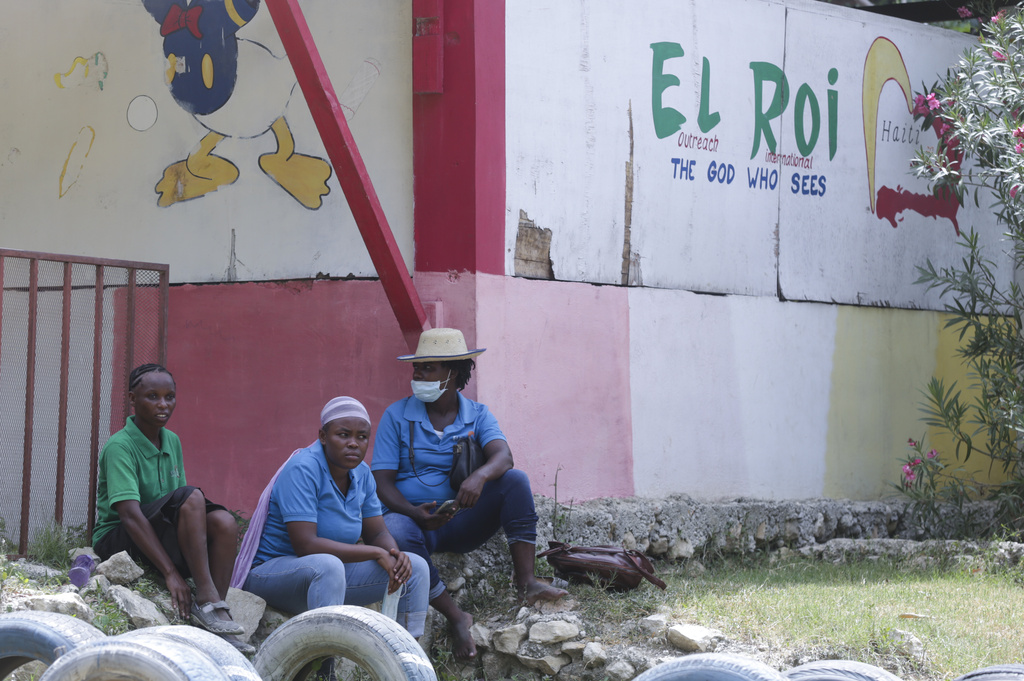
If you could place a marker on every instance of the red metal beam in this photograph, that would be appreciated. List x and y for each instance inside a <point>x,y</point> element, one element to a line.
<point>348,164</point>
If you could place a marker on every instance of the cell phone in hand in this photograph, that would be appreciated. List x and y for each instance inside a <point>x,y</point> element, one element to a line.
<point>450,506</point>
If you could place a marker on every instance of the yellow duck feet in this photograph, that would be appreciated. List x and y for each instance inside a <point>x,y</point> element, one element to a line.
<point>199,174</point>
<point>303,177</point>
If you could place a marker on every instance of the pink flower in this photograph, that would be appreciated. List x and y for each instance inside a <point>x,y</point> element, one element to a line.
<point>933,101</point>
<point>907,470</point>
<point>1013,191</point>
<point>910,441</point>
<point>1019,147</point>
<point>910,477</point>
<point>920,106</point>
<point>998,56</point>
<point>917,462</point>
<point>933,454</point>
<point>999,15</point>
<point>1019,132</point>
<point>963,12</point>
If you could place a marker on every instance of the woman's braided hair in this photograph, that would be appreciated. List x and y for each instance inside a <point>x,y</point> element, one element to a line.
<point>135,377</point>
<point>463,369</point>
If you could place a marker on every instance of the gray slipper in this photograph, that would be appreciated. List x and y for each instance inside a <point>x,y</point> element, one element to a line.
<point>239,644</point>
<point>204,615</point>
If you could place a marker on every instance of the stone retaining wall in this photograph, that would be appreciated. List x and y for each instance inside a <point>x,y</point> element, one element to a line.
<point>679,527</point>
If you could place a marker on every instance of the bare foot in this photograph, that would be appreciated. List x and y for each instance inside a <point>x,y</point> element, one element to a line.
<point>463,646</point>
<point>539,590</point>
<point>539,578</point>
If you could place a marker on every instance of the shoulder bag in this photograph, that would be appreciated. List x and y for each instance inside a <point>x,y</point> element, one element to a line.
<point>611,567</point>
<point>467,456</point>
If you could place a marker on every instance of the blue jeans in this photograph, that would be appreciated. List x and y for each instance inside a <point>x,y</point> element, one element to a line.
<point>295,584</point>
<point>506,503</point>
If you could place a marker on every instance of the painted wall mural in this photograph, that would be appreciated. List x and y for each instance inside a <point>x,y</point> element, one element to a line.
<point>206,63</point>
<point>884,64</point>
<point>174,131</point>
<point>774,163</point>
<point>88,72</point>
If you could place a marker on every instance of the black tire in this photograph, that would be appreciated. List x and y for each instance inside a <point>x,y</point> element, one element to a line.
<point>999,672</point>
<point>379,645</point>
<point>227,657</point>
<point>838,670</point>
<point>157,658</point>
<point>29,635</point>
<point>711,667</point>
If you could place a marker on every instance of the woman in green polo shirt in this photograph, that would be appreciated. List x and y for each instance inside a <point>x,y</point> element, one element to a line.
<point>146,508</point>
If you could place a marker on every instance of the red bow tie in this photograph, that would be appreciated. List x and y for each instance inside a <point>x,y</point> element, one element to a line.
<point>178,18</point>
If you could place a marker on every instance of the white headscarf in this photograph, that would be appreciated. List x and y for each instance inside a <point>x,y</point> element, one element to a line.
<point>340,407</point>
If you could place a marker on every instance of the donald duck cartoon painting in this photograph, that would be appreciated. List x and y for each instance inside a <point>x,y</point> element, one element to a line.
<point>203,56</point>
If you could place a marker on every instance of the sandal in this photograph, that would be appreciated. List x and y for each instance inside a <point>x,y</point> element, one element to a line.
<point>240,645</point>
<point>205,617</point>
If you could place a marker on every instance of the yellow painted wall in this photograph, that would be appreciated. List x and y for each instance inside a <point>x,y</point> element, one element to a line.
<point>883,361</point>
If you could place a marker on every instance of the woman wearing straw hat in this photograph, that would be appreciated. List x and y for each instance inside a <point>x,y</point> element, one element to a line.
<point>493,496</point>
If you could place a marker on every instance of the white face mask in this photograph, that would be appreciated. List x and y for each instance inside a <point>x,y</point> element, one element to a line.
<point>429,391</point>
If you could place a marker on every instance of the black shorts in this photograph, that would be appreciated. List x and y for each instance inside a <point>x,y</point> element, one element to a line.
<point>162,514</point>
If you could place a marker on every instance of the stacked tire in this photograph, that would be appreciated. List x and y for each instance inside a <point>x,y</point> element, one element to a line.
<point>77,651</point>
<point>721,667</point>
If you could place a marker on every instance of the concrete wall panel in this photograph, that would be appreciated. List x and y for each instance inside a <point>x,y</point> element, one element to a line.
<point>670,145</point>
<point>91,139</point>
<point>255,363</point>
<point>557,377</point>
<point>730,395</point>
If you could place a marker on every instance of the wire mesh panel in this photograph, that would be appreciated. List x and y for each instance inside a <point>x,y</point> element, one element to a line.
<point>70,331</point>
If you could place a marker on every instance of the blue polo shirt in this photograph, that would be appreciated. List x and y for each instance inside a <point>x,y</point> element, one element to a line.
<point>306,492</point>
<point>433,453</point>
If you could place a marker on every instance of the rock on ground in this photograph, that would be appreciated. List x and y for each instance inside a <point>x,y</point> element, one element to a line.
<point>120,569</point>
<point>142,613</point>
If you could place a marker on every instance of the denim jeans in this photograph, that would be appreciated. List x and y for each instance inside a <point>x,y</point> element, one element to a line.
<point>295,584</point>
<point>506,503</point>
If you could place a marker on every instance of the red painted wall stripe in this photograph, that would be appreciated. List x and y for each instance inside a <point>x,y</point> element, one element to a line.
<point>459,146</point>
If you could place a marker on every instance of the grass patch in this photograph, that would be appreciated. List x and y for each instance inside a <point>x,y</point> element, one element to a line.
<point>109,619</point>
<point>970,616</point>
<point>52,542</point>
<point>786,612</point>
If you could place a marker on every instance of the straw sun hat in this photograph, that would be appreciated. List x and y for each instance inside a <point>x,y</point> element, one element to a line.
<point>441,345</point>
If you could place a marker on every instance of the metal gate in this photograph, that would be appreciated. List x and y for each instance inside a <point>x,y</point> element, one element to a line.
<point>71,329</point>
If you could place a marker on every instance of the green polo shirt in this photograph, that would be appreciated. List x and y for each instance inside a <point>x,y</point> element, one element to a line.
<point>130,467</point>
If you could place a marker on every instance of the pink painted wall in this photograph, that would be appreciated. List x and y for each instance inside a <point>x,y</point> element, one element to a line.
<point>556,373</point>
<point>255,363</point>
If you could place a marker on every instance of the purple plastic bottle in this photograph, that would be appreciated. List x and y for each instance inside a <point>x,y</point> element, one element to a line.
<point>81,570</point>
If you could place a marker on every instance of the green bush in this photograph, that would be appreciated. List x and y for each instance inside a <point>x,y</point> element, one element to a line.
<point>977,112</point>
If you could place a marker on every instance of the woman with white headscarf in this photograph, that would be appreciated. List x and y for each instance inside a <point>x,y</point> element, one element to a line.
<point>308,523</point>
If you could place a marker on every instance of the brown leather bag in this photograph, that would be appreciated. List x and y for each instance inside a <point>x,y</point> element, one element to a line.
<point>611,567</point>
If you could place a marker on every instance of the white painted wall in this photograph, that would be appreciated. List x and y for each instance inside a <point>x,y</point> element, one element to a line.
<point>580,84</point>
<point>730,395</point>
<point>106,205</point>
